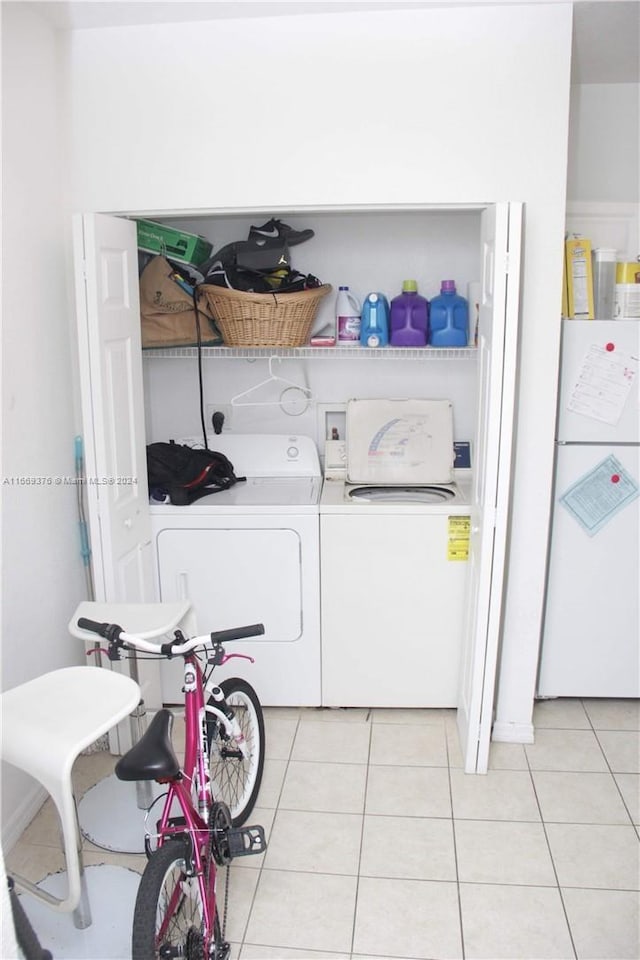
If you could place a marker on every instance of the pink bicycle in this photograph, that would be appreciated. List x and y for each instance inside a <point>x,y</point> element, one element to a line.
<point>207,801</point>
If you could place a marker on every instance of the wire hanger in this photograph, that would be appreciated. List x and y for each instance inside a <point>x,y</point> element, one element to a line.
<point>240,399</point>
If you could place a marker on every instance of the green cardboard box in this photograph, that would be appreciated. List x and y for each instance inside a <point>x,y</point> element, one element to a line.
<point>173,244</point>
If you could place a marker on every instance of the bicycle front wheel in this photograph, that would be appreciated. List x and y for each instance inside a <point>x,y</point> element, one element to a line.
<point>236,777</point>
<point>168,914</point>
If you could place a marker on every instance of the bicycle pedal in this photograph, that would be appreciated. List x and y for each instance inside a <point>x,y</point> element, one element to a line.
<point>246,841</point>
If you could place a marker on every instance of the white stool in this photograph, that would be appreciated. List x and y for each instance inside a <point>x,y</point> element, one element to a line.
<point>149,621</point>
<point>46,724</point>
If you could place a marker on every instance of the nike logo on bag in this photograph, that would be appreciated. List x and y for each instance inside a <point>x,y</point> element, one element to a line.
<point>274,232</point>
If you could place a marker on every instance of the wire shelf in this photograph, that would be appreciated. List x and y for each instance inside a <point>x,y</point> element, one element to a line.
<point>315,353</point>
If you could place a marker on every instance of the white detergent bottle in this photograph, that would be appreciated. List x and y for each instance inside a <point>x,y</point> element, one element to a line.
<point>347,319</point>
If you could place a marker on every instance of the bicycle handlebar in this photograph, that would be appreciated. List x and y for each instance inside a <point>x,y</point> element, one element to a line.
<point>115,634</point>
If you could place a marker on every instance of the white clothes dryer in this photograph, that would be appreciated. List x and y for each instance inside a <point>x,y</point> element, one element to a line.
<point>393,561</point>
<point>251,554</point>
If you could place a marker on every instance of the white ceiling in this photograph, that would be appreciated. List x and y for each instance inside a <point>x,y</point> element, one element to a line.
<point>606,33</point>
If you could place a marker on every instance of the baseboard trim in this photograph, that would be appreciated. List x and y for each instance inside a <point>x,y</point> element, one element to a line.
<point>513,732</point>
<point>20,819</point>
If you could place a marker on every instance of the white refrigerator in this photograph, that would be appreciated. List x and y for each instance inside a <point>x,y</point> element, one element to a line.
<point>591,634</point>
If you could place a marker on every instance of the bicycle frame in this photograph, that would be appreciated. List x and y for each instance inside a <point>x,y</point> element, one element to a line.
<point>195,771</point>
<point>195,775</point>
<point>198,831</point>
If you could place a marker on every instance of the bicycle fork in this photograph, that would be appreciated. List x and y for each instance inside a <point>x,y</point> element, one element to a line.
<point>226,715</point>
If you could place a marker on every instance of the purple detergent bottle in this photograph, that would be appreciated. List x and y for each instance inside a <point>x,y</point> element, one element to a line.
<point>449,318</point>
<point>409,320</point>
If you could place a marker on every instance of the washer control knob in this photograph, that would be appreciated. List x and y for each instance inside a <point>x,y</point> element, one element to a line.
<point>292,453</point>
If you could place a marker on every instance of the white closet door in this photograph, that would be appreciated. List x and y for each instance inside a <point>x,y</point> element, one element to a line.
<point>497,354</point>
<point>112,405</point>
<point>109,349</point>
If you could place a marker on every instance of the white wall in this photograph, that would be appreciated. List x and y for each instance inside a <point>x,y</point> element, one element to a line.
<point>424,105</point>
<point>603,185</point>
<point>420,106</point>
<point>42,578</point>
<point>604,143</point>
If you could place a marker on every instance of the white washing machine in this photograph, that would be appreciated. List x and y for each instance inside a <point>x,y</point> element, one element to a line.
<point>394,534</point>
<point>251,554</point>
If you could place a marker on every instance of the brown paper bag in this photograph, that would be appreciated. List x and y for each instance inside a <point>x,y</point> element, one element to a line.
<point>167,310</point>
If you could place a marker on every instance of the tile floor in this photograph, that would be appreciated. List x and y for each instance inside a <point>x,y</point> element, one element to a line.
<point>380,846</point>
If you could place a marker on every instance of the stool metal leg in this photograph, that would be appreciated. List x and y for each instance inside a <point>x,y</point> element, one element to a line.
<point>144,793</point>
<point>82,913</point>
<point>138,719</point>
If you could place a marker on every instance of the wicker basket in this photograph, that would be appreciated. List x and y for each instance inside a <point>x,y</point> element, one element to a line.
<point>264,319</point>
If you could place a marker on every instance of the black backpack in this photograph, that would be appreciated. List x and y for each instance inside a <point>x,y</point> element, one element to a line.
<point>187,473</point>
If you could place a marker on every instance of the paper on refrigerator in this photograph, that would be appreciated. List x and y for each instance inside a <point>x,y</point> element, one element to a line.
<point>603,384</point>
<point>600,494</point>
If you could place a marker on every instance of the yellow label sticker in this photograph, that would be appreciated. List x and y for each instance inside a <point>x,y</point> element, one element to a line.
<point>458,538</point>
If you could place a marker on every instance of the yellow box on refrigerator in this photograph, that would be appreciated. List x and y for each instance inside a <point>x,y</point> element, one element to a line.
<point>627,296</point>
<point>579,278</point>
<point>565,300</point>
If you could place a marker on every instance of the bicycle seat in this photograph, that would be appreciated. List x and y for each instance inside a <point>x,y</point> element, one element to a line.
<point>153,756</point>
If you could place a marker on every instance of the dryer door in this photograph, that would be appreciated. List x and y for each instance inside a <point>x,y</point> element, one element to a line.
<point>232,576</point>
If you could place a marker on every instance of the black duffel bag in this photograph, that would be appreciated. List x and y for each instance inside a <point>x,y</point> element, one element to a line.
<point>188,473</point>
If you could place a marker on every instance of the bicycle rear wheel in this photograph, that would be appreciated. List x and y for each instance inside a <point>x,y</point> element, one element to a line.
<point>168,914</point>
<point>236,779</point>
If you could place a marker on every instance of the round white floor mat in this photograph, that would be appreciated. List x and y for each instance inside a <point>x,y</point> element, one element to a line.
<point>112,896</point>
<point>110,817</point>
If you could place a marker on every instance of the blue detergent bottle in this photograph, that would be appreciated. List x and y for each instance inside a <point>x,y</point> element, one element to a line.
<point>374,326</point>
<point>448,318</point>
<point>409,317</point>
